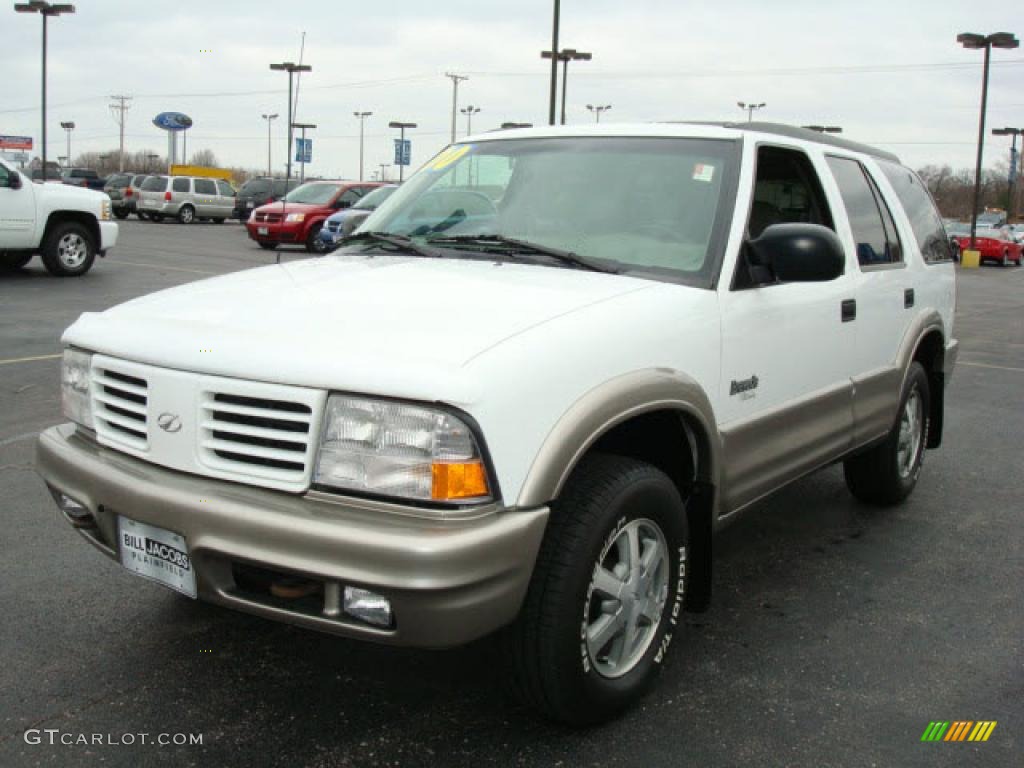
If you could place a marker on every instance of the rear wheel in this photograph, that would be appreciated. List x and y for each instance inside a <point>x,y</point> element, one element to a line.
<point>68,250</point>
<point>186,214</point>
<point>606,593</point>
<point>886,474</point>
<point>14,260</point>
<point>156,217</point>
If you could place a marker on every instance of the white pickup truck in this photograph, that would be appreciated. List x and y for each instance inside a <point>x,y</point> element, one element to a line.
<point>523,395</point>
<point>67,225</point>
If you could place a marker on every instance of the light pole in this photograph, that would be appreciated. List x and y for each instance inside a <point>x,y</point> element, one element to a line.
<point>69,126</point>
<point>469,111</point>
<point>302,156</point>
<point>750,108</point>
<point>824,128</point>
<point>988,42</point>
<point>598,110</point>
<point>565,56</point>
<point>152,157</point>
<point>456,79</point>
<point>46,10</point>
<point>291,68</point>
<point>383,171</point>
<point>1011,180</point>
<point>401,153</point>
<point>269,118</point>
<point>554,66</point>
<point>361,117</point>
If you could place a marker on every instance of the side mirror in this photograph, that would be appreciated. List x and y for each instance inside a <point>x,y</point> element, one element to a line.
<point>798,253</point>
<point>14,180</point>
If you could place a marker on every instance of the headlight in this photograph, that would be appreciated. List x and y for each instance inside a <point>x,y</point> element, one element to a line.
<point>105,210</point>
<point>74,387</point>
<point>295,217</point>
<point>394,449</point>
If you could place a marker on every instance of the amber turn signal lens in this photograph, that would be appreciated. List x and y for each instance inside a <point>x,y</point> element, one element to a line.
<point>458,481</point>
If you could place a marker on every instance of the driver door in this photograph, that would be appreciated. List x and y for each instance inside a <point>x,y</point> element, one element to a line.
<point>17,210</point>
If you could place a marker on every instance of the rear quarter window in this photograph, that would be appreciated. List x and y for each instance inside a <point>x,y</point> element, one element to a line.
<point>155,184</point>
<point>205,187</point>
<point>920,209</point>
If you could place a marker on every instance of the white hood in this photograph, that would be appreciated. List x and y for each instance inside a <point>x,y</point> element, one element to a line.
<point>390,325</point>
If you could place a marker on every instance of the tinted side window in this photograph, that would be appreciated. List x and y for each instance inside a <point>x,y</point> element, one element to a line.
<point>180,185</point>
<point>920,209</point>
<point>138,180</point>
<point>155,184</point>
<point>205,187</point>
<point>225,189</point>
<point>875,245</point>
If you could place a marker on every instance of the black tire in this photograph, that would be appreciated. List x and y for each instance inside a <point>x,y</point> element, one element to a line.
<point>142,216</point>
<point>875,476</point>
<point>121,213</point>
<point>553,669</point>
<point>156,217</point>
<point>268,246</point>
<point>68,250</point>
<point>13,261</point>
<point>313,242</point>
<point>218,221</point>
<point>186,214</point>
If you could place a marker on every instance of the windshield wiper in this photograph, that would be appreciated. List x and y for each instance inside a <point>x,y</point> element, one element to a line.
<point>522,246</point>
<point>401,242</point>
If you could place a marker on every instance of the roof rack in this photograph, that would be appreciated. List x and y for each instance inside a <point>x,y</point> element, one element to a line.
<point>795,132</point>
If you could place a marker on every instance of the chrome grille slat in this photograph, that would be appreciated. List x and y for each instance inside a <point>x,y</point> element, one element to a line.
<point>121,408</point>
<point>126,405</point>
<point>110,383</point>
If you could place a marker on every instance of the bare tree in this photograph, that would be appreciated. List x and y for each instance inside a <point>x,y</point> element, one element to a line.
<point>205,158</point>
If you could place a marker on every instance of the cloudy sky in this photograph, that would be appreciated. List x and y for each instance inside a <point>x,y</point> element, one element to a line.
<point>890,73</point>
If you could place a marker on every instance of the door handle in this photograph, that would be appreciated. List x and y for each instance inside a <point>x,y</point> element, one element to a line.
<point>849,310</point>
<point>908,298</point>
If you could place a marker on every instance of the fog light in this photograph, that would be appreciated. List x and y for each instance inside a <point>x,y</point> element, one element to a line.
<point>367,606</point>
<point>75,512</point>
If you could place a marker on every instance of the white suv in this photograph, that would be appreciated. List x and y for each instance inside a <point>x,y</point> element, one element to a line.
<point>523,395</point>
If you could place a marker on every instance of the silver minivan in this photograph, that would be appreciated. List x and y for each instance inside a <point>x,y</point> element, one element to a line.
<point>186,198</point>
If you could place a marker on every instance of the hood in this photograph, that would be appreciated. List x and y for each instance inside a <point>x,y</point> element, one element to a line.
<point>278,205</point>
<point>391,325</point>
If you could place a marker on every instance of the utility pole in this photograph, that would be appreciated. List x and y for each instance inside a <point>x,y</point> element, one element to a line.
<point>456,79</point>
<point>291,68</point>
<point>117,110</point>
<point>361,117</point>
<point>554,66</point>
<point>268,118</point>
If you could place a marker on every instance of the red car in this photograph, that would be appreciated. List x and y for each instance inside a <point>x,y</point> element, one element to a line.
<point>993,244</point>
<point>297,218</point>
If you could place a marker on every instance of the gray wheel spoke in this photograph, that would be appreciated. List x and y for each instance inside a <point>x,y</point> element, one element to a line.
<point>633,534</point>
<point>607,626</point>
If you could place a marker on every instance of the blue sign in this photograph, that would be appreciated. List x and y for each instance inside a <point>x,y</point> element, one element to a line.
<point>172,121</point>
<point>303,150</point>
<point>403,152</point>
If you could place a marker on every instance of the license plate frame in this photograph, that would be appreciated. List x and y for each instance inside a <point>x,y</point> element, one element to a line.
<point>156,554</point>
<point>263,231</point>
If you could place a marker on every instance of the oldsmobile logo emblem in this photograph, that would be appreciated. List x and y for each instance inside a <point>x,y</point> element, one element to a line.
<point>169,422</point>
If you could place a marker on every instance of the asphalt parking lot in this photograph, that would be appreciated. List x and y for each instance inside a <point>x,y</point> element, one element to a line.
<point>836,633</point>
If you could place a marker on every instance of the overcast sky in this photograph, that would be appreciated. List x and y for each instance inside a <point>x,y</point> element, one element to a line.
<point>890,73</point>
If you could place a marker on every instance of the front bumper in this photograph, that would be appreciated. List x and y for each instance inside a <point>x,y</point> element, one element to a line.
<point>108,235</point>
<point>275,231</point>
<point>449,582</point>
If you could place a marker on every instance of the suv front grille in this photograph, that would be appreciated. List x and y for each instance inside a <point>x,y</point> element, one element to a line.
<point>256,435</point>
<point>121,407</point>
<point>271,218</point>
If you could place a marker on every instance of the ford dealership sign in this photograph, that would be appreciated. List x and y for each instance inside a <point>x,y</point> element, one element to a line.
<point>172,121</point>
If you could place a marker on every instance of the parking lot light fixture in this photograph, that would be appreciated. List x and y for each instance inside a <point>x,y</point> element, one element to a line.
<point>269,118</point>
<point>44,9</point>
<point>565,56</point>
<point>974,41</point>
<point>68,126</point>
<point>361,117</point>
<point>750,107</point>
<point>598,110</point>
<point>291,68</point>
<point>401,127</point>
<point>469,111</point>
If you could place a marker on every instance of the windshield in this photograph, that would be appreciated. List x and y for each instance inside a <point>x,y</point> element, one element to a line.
<point>650,206</point>
<point>313,193</point>
<point>375,198</point>
<point>255,187</point>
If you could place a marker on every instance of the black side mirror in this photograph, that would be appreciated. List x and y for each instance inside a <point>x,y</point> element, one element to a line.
<point>14,180</point>
<point>797,253</point>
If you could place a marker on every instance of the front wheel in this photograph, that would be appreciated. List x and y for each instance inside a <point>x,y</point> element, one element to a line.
<point>606,595</point>
<point>886,474</point>
<point>313,242</point>
<point>187,214</point>
<point>68,250</point>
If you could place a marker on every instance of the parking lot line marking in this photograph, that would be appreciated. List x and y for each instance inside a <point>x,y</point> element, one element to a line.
<point>14,360</point>
<point>161,266</point>
<point>997,367</point>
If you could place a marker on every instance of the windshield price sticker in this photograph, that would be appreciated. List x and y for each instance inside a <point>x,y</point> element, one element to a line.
<point>703,172</point>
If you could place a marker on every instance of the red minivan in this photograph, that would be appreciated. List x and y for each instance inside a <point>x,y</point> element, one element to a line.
<point>297,218</point>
